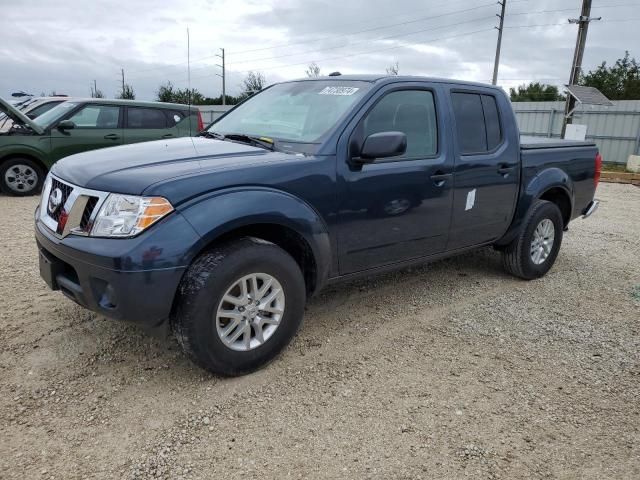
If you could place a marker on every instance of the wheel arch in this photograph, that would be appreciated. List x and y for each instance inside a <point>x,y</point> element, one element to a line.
<point>8,156</point>
<point>562,199</point>
<point>552,184</point>
<point>269,215</point>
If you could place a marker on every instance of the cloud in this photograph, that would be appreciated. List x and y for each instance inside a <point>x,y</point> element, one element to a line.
<point>65,46</point>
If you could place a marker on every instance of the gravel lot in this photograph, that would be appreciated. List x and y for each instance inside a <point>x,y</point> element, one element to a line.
<point>450,370</point>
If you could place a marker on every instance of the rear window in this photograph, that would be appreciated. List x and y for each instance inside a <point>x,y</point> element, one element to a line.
<point>477,122</point>
<point>145,118</point>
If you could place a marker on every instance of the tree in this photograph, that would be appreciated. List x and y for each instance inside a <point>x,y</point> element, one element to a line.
<point>253,83</point>
<point>168,93</point>
<point>127,92</point>
<point>97,94</point>
<point>535,92</point>
<point>393,69</point>
<point>620,82</point>
<point>165,93</point>
<point>313,70</point>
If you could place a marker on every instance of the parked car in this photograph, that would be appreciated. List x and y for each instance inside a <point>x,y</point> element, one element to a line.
<point>31,146</point>
<point>32,107</point>
<point>224,236</point>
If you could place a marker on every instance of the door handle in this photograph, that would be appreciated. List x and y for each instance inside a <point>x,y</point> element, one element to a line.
<point>112,136</point>
<point>167,135</point>
<point>439,178</point>
<point>505,169</point>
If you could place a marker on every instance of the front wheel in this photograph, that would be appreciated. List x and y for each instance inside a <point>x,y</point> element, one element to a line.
<point>533,252</point>
<point>21,177</point>
<point>238,306</point>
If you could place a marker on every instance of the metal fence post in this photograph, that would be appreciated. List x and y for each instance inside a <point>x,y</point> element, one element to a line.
<point>552,117</point>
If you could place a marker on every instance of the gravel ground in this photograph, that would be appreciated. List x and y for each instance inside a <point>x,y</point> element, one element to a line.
<point>445,371</point>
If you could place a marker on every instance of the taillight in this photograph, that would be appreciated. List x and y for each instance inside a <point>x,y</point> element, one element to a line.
<point>596,177</point>
<point>200,123</point>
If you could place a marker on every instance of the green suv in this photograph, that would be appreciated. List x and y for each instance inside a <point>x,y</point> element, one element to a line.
<point>30,147</point>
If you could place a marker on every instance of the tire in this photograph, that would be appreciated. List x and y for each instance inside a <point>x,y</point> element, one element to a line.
<point>520,258</point>
<point>217,274</point>
<point>21,177</point>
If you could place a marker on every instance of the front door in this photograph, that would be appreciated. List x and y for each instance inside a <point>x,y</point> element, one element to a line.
<point>396,208</point>
<point>95,126</point>
<point>486,175</point>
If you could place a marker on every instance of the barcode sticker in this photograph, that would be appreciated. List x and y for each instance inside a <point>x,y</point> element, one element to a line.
<point>338,91</point>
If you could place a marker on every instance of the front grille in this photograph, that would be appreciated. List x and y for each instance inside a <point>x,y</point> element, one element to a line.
<point>66,191</point>
<point>85,222</point>
<point>74,207</point>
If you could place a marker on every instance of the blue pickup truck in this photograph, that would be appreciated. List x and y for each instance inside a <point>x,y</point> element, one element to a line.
<point>223,237</point>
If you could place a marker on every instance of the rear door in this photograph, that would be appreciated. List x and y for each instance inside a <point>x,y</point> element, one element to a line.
<point>96,126</point>
<point>486,172</point>
<point>143,124</point>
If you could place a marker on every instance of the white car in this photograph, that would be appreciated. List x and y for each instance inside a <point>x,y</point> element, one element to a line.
<point>32,107</point>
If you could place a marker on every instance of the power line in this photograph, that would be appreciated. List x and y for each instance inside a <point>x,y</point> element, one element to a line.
<point>351,33</point>
<point>369,40</point>
<point>330,37</point>
<point>367,51</point>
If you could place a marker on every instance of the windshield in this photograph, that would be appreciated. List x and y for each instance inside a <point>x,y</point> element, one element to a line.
<point>54,114</point>
<point>296,111</point>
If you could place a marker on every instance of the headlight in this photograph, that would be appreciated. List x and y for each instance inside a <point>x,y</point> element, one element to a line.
<point>127,215</point>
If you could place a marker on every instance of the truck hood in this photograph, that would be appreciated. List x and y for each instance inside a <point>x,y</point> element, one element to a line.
<point>19,117</point>
<point>133,168</point>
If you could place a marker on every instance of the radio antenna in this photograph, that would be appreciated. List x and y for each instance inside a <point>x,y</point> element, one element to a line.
<point>189,79</point>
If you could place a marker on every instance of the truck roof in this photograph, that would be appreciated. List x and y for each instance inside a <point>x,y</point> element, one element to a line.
<point>383,78</point>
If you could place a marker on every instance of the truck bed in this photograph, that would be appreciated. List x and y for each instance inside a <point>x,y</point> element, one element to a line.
<point>530,143</point>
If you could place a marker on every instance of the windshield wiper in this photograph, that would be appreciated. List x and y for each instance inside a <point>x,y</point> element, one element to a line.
<point>262,142</point>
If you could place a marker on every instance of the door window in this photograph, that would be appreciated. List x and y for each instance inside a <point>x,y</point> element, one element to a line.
<point>96,116</point>
<point>150,118</point>
<point>411,112</point>
<point>477,122</point>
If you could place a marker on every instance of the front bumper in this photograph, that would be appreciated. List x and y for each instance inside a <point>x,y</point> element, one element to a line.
<point>134,279</point>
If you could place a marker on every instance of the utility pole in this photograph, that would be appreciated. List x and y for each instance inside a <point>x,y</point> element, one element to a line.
<point>576,64</point>
<point>496,62</point>
<point>95,87</point>
<point>224,90</point>
<point>122,70</point>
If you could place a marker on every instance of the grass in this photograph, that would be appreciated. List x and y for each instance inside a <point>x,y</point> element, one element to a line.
<point>614,167</point>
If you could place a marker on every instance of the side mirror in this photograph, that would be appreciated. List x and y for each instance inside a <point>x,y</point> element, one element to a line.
<point>382,145</point>
<point>66,125</point>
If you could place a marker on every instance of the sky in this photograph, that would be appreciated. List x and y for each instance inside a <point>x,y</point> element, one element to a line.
<point>49,46</point>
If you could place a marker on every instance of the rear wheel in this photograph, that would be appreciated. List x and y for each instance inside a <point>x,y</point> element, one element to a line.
<point>21,177</point>
<point>238,306</point>
<point>533,252</point>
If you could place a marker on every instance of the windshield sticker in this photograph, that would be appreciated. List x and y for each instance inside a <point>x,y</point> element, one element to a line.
<point>338,91</point>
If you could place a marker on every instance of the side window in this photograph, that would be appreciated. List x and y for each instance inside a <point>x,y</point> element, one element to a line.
<point>472,134</point>
<point>145,118</point>
<point>411,112</point>
<point>477,122</point>
<point>96,116</point>
<point>174,117</point>
<point>492,121</point>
